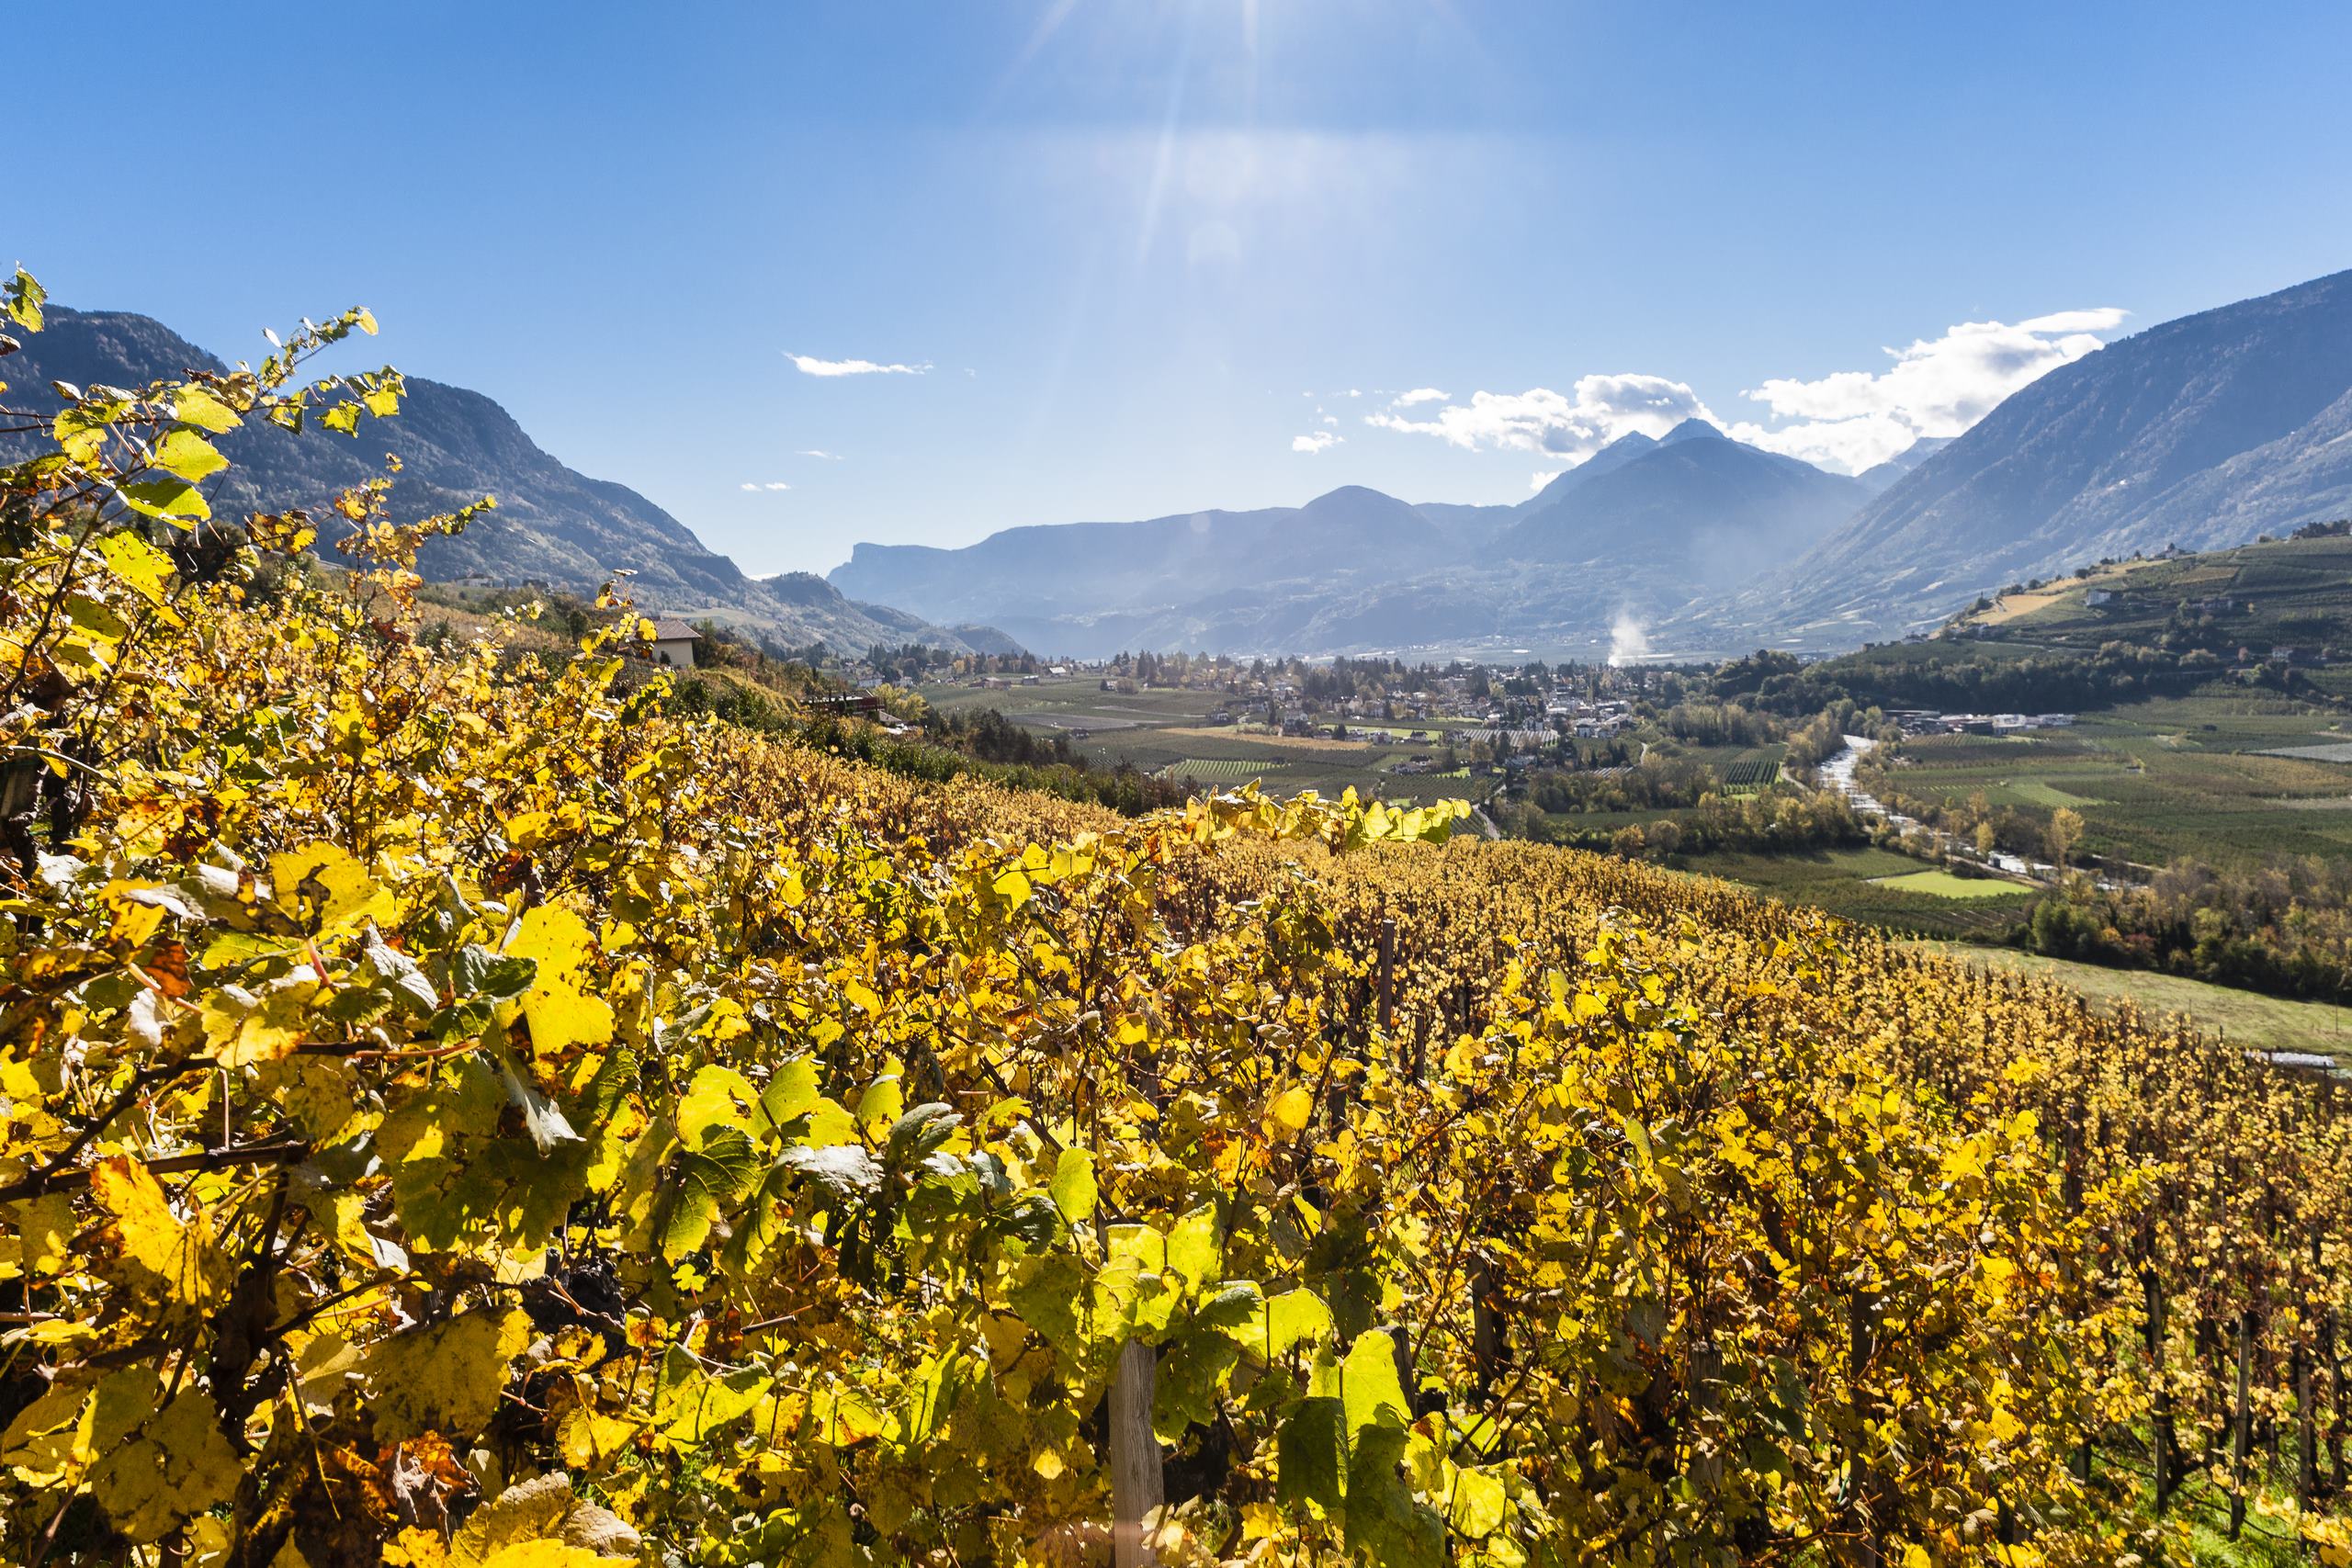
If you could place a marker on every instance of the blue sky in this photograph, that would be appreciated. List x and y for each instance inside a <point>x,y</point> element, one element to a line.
<point>1135,255</point>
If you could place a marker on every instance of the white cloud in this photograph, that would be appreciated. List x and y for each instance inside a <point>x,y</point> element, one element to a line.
<point>1330,419</point>
<point>1316,442</point>
<point>1536,481</point>
<point>814,452</point>
<point>1937,387</point>
<point>1848,421</point>
<point>812,366</point>
<point>769,484</point>
<point>1573,425</point>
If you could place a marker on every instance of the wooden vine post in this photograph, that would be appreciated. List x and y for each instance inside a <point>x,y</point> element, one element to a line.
<point>2167,1475</point>
<point>1136,1488</point>
<point>1387,975</point>
<point>1862,1486</point>
<point>2242,1424</point>
<point>1706,1396</point>
<point>2306,1426</point>
<point>2335,1351</point>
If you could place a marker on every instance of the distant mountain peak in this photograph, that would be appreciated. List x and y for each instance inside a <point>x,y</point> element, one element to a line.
<point>1692,429</point>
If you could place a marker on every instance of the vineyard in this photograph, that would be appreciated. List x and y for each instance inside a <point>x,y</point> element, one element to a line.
<point>1220,770</point>
<point>453,1112</point>
<point>1750,774</point>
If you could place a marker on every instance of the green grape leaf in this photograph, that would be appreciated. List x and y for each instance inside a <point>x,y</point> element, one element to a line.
<point>477,972</point>
<point>1311,1456</point>
<point>173,501</point>
<point>703,1181</point>
<point>187,455</point>
<point>791,1091</point>
<point>1073,1186</point>
<point>1386,1522</point>
<point>846,1173</point>
<point>1284,1322</point>
<point>1369,1387</point>
<point>916,1135</point>
<point>1192,1366</point>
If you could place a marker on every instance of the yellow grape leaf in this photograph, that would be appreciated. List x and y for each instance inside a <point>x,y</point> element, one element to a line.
<point>1478,1503</point>
<point>589,1440</point>
<point>445,1377</point>
<point>39,1229</point>
<point>1284,1322</point>
<point>1368,1387</point>
<point>562,1019</point>
<point>883,1102</point>
<point>554,936</point>
<point>560,1015</point>
<point>192,404</point>
<point>49,1438</point>
<point>333,888</point>
<point>705,1405</point>
<point>1196,1252</point>
<point>845,1417</point>
<point>188,454</point>
<point>525,1523</point>
<point>1292,1108</point>
<point>545,1553</point>
<point>178,1467</point>
<point>178,1260</point>
<point>792,1091</point>
<point>244,1029</point>
<point>136,564</point>
<point>718,1096</point>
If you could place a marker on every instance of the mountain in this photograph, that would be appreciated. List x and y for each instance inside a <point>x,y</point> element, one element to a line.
<point>1644,527</point>
<point>2203,432</point>
<point>552,525</point>
<point>1878,476</point>
<point>1089,568</point>
<point>1718,509</point>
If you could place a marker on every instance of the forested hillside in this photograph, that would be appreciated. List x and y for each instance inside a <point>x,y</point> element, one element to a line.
<point>458,1112</point>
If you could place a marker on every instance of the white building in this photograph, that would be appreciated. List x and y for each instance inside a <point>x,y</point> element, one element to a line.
<point>673,643</point>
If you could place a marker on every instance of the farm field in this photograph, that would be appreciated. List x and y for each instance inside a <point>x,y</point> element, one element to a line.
<point>2202,775</point>
<point>1163,732</point>
<point>1876,887</point>
<point>2246,1018</point>
<point>1946,885</point>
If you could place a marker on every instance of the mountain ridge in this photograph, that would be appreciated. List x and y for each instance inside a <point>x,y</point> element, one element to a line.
<point>553,524</point>
<point>2202,431</point>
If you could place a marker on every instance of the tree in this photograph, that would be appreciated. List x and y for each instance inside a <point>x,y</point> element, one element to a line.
<point>2065,832</point>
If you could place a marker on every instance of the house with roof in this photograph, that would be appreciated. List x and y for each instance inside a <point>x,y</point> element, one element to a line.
<point>674,642</point>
